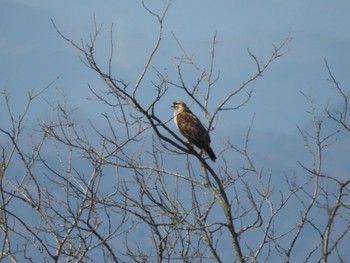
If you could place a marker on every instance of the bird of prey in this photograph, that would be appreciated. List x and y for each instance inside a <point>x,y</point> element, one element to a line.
<point>191,128</point>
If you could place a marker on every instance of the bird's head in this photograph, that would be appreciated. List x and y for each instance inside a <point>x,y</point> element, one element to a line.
<point>178,104</point>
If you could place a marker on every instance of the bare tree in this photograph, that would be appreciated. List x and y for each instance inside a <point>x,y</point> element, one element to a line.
<point>113,194</point>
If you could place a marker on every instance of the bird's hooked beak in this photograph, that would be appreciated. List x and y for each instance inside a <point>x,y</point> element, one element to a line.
<point>172,105</point>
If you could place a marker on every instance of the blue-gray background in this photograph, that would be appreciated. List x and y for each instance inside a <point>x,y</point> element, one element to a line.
<point>32,54</point>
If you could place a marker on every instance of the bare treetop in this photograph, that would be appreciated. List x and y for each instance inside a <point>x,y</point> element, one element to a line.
<point>133,190</point>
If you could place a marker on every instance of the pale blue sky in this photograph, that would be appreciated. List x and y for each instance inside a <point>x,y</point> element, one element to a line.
<point>32,54</point>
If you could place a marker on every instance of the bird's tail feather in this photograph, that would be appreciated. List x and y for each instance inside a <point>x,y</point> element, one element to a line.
<point>210,153</point>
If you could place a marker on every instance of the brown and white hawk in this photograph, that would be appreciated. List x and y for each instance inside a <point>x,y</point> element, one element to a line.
<point>191,128</point>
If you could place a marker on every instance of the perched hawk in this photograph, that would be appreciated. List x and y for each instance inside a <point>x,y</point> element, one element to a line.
<point>191,128</point>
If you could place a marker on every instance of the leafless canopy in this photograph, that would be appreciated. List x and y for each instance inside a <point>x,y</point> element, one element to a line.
<point>112,193</point>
